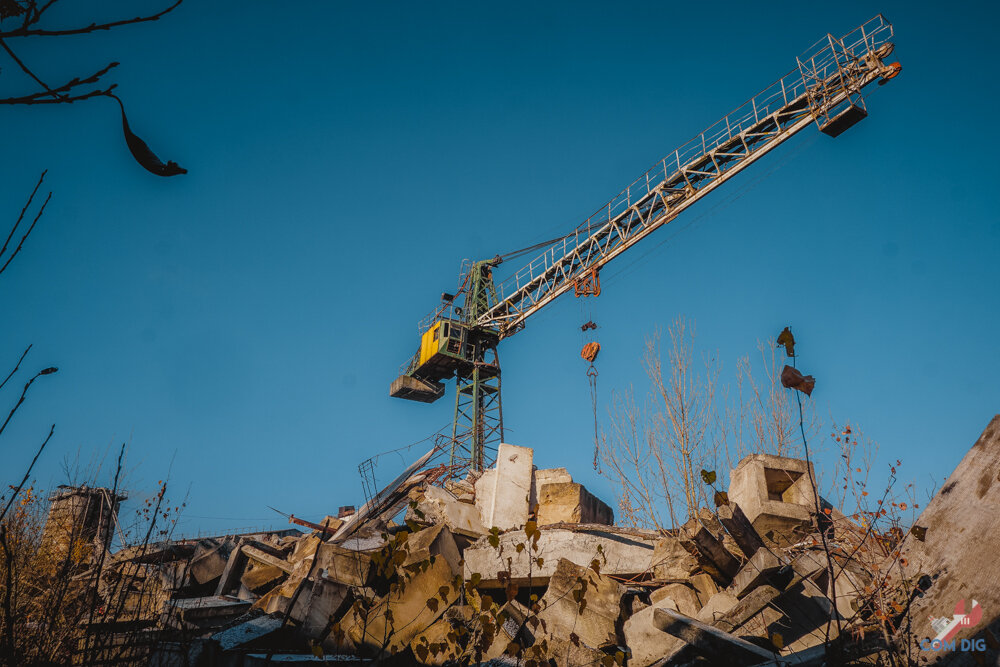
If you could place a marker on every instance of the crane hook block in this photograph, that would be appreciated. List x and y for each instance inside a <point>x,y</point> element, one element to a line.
<point>590,351</point>
<point>892,70</point>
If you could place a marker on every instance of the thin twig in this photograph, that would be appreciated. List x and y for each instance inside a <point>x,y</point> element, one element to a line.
<point>25,237</point>
<point>27,473</point>
<point>17,366</point>
<point>93,27</point>
<point>47,371</point>
<point>25,69</point>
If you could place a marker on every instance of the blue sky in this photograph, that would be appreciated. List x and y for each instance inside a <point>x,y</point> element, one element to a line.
<point>239,325</point>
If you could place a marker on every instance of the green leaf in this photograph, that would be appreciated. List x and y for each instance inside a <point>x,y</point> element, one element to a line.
<point>721,498</point>
<point>708,476</point>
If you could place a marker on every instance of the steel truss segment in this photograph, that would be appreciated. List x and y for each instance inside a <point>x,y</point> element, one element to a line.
<point>837,70</point>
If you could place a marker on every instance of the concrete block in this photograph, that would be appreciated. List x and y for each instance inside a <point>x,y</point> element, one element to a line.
<point>436,645</point>
<point>776,495</point>
<point>620,554</point>
<point>396,619</point>
<point>259,578</point>
<point>671,560</point>
<point>716,607</point>
<point>684,597</point>
<point>546,476</point>
<point>442,507</point>
<point>755,571</point>
<point>174,575</point>
<point>507,506</point>
<point>209,560</point>
<point>317,604</point>
<point>246,633</point>
<point>433,542</point>
<point>647,642</point>
<point>569,502</point>
<point>342,565</point>
<point>704,585</point>
<point>565,653</point>
<point>583,603</point>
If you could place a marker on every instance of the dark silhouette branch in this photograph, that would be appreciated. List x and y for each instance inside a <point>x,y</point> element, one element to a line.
<point>25,237</point>
<point>27,473</point>
<point>23,211</point>
<point>16,366</point>
<point>25,31</point>
<point>45,96</point>
<point>25,69</point>
<point>24,392</point>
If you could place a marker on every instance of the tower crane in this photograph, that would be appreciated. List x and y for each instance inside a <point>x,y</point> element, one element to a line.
<point>459,338</point>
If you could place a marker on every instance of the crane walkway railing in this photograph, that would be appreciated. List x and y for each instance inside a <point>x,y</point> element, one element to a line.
<point>831,72</point>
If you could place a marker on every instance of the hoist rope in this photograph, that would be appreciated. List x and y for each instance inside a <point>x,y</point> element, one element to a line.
<point>592,378</point>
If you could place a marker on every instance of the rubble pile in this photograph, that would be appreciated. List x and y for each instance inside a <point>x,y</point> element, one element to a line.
<point>525,566</point>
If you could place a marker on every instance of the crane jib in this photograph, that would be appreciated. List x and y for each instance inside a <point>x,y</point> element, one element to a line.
<point>834,83</point>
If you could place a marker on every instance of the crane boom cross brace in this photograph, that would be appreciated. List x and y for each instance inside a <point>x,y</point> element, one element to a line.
<point>459,339</point>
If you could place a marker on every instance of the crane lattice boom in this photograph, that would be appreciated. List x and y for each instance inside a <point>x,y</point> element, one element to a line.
<point>825,87</point>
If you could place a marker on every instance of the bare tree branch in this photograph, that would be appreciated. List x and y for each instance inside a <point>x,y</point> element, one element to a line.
<point>27,473</point>
<point>24,31</point>
<point>44,96</point>
<point>25,69</point>
<point>24,392</point>
<point>16,366</point>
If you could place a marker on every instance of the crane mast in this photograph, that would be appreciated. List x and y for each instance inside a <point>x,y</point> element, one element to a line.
<point>459,339</point>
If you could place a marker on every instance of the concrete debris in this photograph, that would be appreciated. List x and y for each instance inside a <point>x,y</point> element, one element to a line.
<point>621,553</point>
<point>582,603</point>
<point>569,502</point>
<point>520,564</point>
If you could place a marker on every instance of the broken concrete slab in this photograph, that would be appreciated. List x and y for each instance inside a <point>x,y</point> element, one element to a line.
<point>396,619</point>
<point>260,578</point>
<point>436,541</point>
<point>713,556</point>
<point>505,506</point>
<point>756,571</point>
<point>348,567</point>
<point>671,560</point>
<point>684,598</point>
<point>621,553</point>
<point>209,560</point>
<point>567,653</point>
<point>776,495</point>
<point>317,604</point>
<point>704,585</point>
<point>956,545</point>
<point>717,607</point>
<point>438,506</point>
<point>717,645</point>
<point>435,646</point>
<point>256,553</point>
<point>583,603</point>
<point>738,526</point>
<point>644,639</point>
<point>205,612</point>
<point>247,632</point>
<point>540,477</point>
<point>569,502</point>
